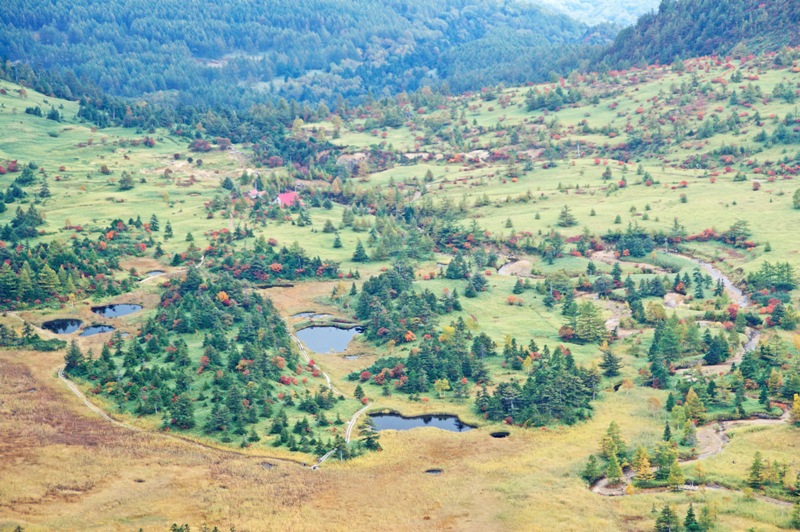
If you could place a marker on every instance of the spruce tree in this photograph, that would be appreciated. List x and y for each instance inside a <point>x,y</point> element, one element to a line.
<point>182,411</point>
<point>360,255</point>
<point>592,470</point>
<point>47,281</point>
<point>610,364</point>
<point>566,218</point>
<point>8,282</point>
<point>667,521</point>
<point>690,524</point>
<point>74,361</point>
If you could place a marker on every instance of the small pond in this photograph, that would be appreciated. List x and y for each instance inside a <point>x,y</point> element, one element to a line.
<point>97,329</point>
<point>394,421</point>
<point>500,434</point>
<point>115,311</point>
<point>327,339</point>
<point>434,471</point>
<point>151,273</point>
<point>63,326</point>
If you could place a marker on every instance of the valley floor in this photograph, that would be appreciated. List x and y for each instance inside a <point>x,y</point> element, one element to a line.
<point>64,467</point>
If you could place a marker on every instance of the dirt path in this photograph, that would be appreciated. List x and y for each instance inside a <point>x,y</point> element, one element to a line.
<point>352,423</point>
<point>170,274</point>
<point>712,439</point>
<point>304,355</point>
<point>94,408</point>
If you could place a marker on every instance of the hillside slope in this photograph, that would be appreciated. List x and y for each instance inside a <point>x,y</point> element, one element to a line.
<point>689,28</point>
<point>312,50</point>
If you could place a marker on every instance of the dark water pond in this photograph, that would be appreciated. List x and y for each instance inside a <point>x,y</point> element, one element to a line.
<point>434,471</point>
<point>327,339</point>
<point>115,311</point>
<point>63,326</point>
<point>500,434</point>
<point>397,422</point>
<point>97,329</point>
<point>154,272</point>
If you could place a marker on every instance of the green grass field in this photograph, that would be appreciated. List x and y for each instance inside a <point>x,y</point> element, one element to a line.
<point>532,480</point>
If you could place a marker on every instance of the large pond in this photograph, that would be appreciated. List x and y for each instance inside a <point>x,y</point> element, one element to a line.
<point>96,329</point>
<point>327,339</point>
<point>115,311</point>
<point>63,326</point>
<point>393,421</point>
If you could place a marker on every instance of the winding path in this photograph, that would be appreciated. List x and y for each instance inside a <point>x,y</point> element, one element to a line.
<point>712,439</point>
<point>712,442</point>
<point>174,272</point>
<point>304,355</point>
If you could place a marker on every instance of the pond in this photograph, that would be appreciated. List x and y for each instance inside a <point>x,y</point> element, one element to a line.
<point>152,273</point>
<point>115,311</point>
<point>327,339</point>
<point>394,421</point>
<point>63,326</point>
<point>97,329</point>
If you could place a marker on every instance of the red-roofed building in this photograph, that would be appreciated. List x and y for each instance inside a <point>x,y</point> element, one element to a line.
<point>287,199</point>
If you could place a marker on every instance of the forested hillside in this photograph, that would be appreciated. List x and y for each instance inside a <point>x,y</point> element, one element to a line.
<point>691,28</point>
<point>623,12</point>
<point>310,50</point>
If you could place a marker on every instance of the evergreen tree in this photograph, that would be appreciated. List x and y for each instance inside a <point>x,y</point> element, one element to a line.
<point>592,470</point>
<point>519,288</point>
<point>8,282</point>
<point>74,362</point>
<point>667,521</point>
<point>589,323</point>
<point>360,255</point>
<point>613,471</point>
<point>757,469</point>
<point>566,218</point>
<point>168,231</point>
<point>154,224</point>
<point>795,520</point>
<point>47,281</point>
<point>182,412</point>
<point>690,524</point>
<point>612,443</point>
<point>610,364</point>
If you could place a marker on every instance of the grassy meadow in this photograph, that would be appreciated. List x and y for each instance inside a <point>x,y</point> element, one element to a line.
<point>65,468</point>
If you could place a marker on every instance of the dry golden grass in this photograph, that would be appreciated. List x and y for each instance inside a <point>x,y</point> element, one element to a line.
<point>65,468</point>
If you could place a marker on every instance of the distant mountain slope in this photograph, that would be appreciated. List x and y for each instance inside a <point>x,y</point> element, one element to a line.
<point>691,28</point>
<point>622,12</point>
<point>135,47</point>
